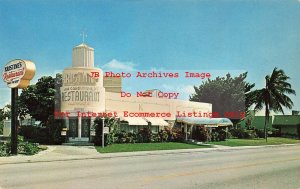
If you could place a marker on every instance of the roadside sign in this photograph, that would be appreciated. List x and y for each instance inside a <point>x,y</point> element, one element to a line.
<point>93,133</point>
<point>106,130</point>
<point>18,73</point>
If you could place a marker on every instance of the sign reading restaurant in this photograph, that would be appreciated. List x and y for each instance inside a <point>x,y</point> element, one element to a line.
<point>79,87</point>
<point>18,73</point>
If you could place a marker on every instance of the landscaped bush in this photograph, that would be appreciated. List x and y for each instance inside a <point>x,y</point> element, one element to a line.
<point>35,134</point>
<point>165,135</point>
<point>177,135</point>
<point>155,137</point>
<point>1,127</point>
<point>201,134</point>
<point>144,135</point>
<point>26,148</point>
<point>120,137</point>
<point>274,133</point>
<point>237,133</point>
<point>132,137</point>
<point>55,132</point>
<point>222,135</point>
<point>241,133</point>
<point>4,149</point>
<point>229,135</point>
<point>214,136</point>
<point>260,133</point>
<point>250,134</point>
<point>286,135</point>
<point>124,137</point>
<point>111,137</point>
<point>43,135</point>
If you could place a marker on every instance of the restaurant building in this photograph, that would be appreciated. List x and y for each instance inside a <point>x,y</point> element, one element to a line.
<point>86,93</point>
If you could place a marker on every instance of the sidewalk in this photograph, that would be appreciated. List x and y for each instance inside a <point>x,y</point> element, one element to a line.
<point>67,153</point>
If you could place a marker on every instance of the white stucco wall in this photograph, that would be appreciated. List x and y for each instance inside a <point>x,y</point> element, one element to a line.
<point>114,102</point>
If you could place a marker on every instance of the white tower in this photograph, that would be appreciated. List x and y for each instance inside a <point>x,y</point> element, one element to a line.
<point>83,56</point>
<point>81,92</point>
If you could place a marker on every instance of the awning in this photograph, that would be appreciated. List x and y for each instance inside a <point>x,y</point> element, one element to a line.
<point>156,121</point>
<point>205,121</point>
<point>134,120</point>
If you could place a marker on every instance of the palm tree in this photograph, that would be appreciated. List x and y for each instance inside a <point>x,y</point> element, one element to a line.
<point>274,96</point>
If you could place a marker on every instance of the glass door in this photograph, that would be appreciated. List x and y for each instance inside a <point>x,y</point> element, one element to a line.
<point>73,127</point>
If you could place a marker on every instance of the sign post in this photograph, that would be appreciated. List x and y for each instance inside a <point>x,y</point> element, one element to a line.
<point>17,74</point>
<point>102,132</point>
<point>14,129</point>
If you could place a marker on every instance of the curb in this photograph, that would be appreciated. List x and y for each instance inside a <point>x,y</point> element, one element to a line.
<point>139,154</point>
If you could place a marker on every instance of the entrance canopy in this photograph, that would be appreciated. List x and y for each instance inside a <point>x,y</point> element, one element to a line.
<point>210,122</point>
<point>156,121</point>
<point>134,120</point>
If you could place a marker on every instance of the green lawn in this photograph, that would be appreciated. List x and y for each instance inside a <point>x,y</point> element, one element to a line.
<point>146,147</point>
<point>256,142</point>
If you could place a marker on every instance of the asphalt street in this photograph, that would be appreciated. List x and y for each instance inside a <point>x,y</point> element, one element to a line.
<point>272,167</point>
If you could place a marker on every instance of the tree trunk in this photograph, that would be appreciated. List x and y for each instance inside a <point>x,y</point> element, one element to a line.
<point>266,135</point>
<point>266,119</point>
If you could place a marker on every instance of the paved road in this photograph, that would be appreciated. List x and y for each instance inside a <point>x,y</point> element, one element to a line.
<point>276,167</point>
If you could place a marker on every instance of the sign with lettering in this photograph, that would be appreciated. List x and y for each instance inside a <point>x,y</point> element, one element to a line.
<point>93,133</point>
<point>106,130</point>
<point>18,73</point>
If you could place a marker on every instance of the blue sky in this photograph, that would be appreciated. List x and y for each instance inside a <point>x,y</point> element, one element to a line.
<point>216,36</point>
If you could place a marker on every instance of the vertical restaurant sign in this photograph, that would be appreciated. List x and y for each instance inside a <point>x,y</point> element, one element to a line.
<point>18,73</point>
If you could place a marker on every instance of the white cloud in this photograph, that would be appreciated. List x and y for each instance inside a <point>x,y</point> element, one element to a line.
<point>118,65</point>
<point>187,89</point>
<point>184,90</point>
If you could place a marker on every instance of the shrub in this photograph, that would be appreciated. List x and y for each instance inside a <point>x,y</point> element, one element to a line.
<point>26,148</point>
<point>1,127</point>
<point>229,135</point>
<point>120,137</point>
<point>250,134</point>
<point>274,133</point>
<point>168,130</point>
<point>287,135</point>
<point>177,135</point>
<point>214,136</point>
<point>132,137</point>
<point>55,132</point>
<point>164,135</point>
<point>260,133</point>
<point>241,133</point>
<point>155,137</point>
<point>222,135</point>
<point>108,138</point>
<point>237,133</point>
<point>201,134</point>
<point>4,149</point>
<point>124,137</point>
<point>144,135</point>
<point>35,134</point>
